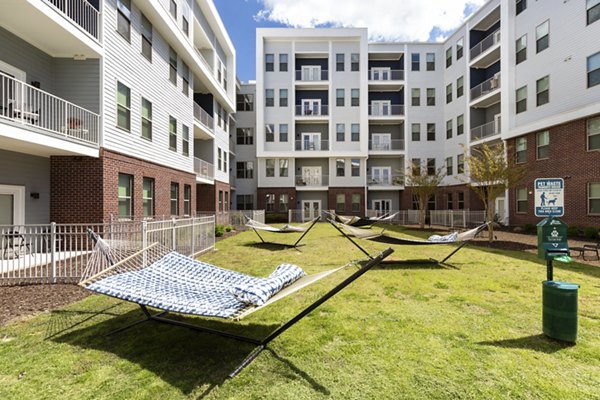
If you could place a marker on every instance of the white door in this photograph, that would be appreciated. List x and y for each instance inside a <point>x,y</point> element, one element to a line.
<point>10,93</point>
<point>311,72</point>
<point>500,204</point>
<point>380,74</point>
<point>382,141</point>
<point>311,176</point>
<point>497,126</point>
<point>381,175</point>
<point>311,209</point>
<point>311,106</point>
<point>381,107</point>
<point>311,141</point>
<point>382,206</point>
<point>12,205</point>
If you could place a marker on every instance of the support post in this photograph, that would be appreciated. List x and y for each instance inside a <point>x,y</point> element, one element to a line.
<point>53,249</point>
<point>549,270</point>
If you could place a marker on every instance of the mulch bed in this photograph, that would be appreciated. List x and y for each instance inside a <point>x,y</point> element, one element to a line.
<point>503,245</point>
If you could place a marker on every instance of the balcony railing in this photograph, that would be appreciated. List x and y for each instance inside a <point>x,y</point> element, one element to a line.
<point>485,44</point>
<point>312,145</point>
<point>486,87</point>
<point>386,75</point>
<point>312,180</point>
<point>203,117</point>
<point>80,12</point>
<point>485,130</point>
<point>386,111</point>
<point>204,169</point>
<point>313,111</point>
<point>380,180</point>
<point>28,105</point>
<point>312,76</point>
<point>391,145</point>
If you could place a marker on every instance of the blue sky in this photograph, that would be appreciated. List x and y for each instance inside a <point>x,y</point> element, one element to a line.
<point>387,20</point>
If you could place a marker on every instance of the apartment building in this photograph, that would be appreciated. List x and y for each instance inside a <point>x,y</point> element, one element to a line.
<point>113,108</point>
<point>337,120</point>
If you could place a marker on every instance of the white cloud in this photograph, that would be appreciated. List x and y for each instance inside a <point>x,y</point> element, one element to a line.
<point>403,20</point>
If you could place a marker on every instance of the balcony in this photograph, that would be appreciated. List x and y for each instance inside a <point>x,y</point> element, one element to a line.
<point>205,171</point>
<point>312,181</point>
<point>386,145</point>
<point>486,130</point>
<point>82,13</point>
<point>486,52</point>
<point>312,145</point>
<point>486,93</point>
<point>26,106</point>
<point>205,122</point>
<point>386,110</point>
<point>312,75</point>
<point>312,111</point>
<point>385,181</point>
<point>385,79</point>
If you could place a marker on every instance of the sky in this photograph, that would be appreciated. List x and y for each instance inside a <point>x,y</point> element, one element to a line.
<point>387,20</point>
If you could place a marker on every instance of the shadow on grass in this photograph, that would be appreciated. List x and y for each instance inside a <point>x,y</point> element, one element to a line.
<point>539,342</point>
<point>410,265</point>
<point>297,372</point>
<point>62,321</point>
<point>273,246</point>
<point>181,357</point>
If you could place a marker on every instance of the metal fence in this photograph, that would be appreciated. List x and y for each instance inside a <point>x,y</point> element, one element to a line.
<point>457,218</point>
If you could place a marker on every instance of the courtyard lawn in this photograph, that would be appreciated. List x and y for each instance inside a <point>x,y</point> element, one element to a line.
<point>401,331</point>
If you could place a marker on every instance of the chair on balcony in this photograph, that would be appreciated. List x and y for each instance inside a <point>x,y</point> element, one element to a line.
<point>16,242</point>
<point>28,112</point>
<point>304,229</point>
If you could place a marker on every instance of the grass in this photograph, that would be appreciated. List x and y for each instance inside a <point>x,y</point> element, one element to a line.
<point>402,331</point>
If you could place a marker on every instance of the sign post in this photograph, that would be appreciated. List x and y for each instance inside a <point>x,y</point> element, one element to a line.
<point>549,197</point>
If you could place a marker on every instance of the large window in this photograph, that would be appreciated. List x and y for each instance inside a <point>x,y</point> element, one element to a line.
<point>245,169</point>
<point>461,200</point>
<point>355,133</point>
<point>185,26</point>
<point>270,167</point>
<point>172,66</point>
<point>542,36</point>
<point>416,166</point>
<point>355,202</point>
<point>460,164</point>
<point>430,61</point>
<point>521,49</point>
<point>450,202</point>
<point>593,133</point>
<point>542,88</point>
<point>270,132</point>
<point>125,198</point>
<point>148,197</point>
<point>431,166</point>
<point>521,5</point>
<point>220,201</point>
<point>245,202</point>
<point>354,62</point>
<point>415,132</point>
<point>123,106</point>
<point>284,167</point>
<point>283,62</point>
<point>449,129</point>
<point>340,132</point>
<point>146,119</point>
<point>185,78</point>
<point>415,62</point>
<point>354,97</point>
<point>449,169</point>
<point>459,48</point>
<point>284,200</point>
<point>593,70</point>
<point>431,96</point>
<point>415,96</point>
<point>460,86</point>
<point>448,93</point>
<point>245,102</point>
<point>543,145</point>
<point>460,124</point>
<point>339,62</point>
<point>521,200</point>
<point>219,158</point>
<point>124,18</point>
<point>430,132</point>
<point>521,99</point>
<point>593,11</point>
<point>269,62</point>
<point>174,198</point>
<point>185,140</point>
<point>146,38</point>
<point>521,150</point>
<point>283,97</point>
<point>245,136</point>
<point>355,167</point>
<point>187,200</point>
<point>173,8</point>
<point>340,202</point>
<point>270,201</point>
<point>448,57</point>
<point>172,134</point>
<point>269,98</point>
<point>340,167</point>
<point>594,198</point>
<point>339,97</point>
<point>283,132</point>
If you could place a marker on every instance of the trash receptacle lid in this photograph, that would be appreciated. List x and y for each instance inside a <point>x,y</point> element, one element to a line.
<point>561,285</point>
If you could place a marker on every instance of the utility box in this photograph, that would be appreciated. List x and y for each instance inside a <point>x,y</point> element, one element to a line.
<point>552,238</point>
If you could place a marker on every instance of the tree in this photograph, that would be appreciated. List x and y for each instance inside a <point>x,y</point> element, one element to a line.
<point>423,186</point>
<point>490,174</point>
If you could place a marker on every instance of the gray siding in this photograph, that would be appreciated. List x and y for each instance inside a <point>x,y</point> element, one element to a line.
<point>78,82</point>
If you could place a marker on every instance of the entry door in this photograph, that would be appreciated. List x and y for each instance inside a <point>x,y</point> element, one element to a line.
<point>311,106</point>
<point>311,209</point>
<point>311,176</point>
<point>500,204</point>
<point>12,205</point>
<point>9,95</point>
<point>382,206</point>
<point>380,74</point>
<point>311,141</point>
<point>311,73</point>
<point>382,141</point>
<point>382,175</point>
<point>381,107</point>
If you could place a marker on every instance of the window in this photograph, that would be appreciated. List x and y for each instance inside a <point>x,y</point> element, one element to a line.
<point>226,202</point>
<point>340,202</point>
<point>450,202</point>
<point>340,167</point>
<point>460,86</point>
<point>449,129</point>
<point>449,170</point>
<point>542,36</point>
<point>593,11</point>
<point>283,62</point>
<point>416,166</point>
<point>521,99</point>
<point>146,38</point>
<point>355,202</point>
<point>521,49</point>
<point>415,132</point>
<point>415,63</point>
<point>431,96</point>
<point>172,66</point>
<point>225,157</point>
<point>461,200</point>
<point>269,62</point>
<point>123,106</point>
<point>270,167</point>
<point>542,87</point>
<point>521,200</point>
<point>244,169</point>
<point>339,97</point>
<point>430,61</point>
<point>245,102</point>
<point>124,193</point>
<point>594,198</point>
<point>187,200</point>
<point>460,164</point>
<point>460,124</point>
<point>270,132</point>
<point>448,57</point>
<point>355,132</point>
<point>220,158</point>
<point>284,167</point>
<point>355,167</point>
<point>339,62</point>
<point>355,97</point>
<point>283,97</point>
<point>340,132</point>
<point>283,202</point>
<point>415,96</point>
<point>430,132</point>
<point>521,150</point>
<point>543,145</point>
<point>354,61</point>
<point>148,197</point>
<point>593,133</point>
<point>521,6</point>
<point>431,166</point>
<point>270,202</point>
<point>220,201</point>
<point>459,48</point>
<point>269,98</point>
<point>172,134</point>
<point>448,93</point>
<point>593,70</point>
<point>431,203</point>
<point>283,132</point>
<point>124,18</point>
<point>185,26</point>
<point>185,78</point>
<point>146,119</point>
<point>245,136</point>
<point>185,137</point>
<point>245,202</point>
<point>173,8</point>
<point>174,198</point>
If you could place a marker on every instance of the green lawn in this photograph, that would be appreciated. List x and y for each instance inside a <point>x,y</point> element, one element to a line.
<point>403,331</point>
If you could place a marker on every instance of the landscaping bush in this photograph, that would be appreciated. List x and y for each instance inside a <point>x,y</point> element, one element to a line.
<point>276,218</point>
<point>228,228</point>
<point>590,233</point>
<point>573,231</point>
<point>219,230</point>
<point>529,228</point>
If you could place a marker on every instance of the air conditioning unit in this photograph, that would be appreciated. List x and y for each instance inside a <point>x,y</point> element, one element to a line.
<point>495,82</point>
<point>497,36</point>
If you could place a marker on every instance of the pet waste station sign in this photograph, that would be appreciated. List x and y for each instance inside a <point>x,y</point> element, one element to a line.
<point>549,197</point>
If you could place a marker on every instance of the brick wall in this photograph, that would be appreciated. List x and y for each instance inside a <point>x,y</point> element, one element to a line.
<point>348,191</point>
<point>569,159</point>
<point>262,193</point>
<point>472,202</point>
<point>208,200</point>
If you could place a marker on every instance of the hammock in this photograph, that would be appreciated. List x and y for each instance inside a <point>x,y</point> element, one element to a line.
<point>304,228</point>
<point>361,221</point>
<point>161,278</point>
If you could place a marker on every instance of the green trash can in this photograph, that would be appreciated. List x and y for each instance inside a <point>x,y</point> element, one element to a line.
<point>560,310</point>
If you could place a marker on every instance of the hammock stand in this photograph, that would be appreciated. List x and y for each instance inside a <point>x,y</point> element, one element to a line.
<point>256,226</point>
<point>361,222</point>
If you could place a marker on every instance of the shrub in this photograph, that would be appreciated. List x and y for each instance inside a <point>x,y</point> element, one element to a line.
<point>276,218</point>
<point>219,230</point>
<point>590,233</point>
<point>573,231</point>
<point>228,228</point>
<point>529,228</point>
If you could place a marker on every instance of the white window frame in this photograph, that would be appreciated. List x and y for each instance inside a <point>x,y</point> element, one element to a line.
<point>311,140</point>
<point>537,145</point>
<point>381,141</point>
<point>311,72</point>
<point>311,106</point>
<point>381,74</point>
<point>18,194</point>
<point>312,176</point>
<point>382,206</point>
<point>589,198</point>
<point>381,175</point>
<point>381,107</point>
<point>590,133</point>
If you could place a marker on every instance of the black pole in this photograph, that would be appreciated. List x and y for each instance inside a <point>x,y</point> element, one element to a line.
<point>306,231</point>
<point>549,270</point>
<point>350,239</point>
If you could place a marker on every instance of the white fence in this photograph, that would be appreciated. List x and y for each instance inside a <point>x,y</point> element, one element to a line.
<point>82,13</point>
<point>457,218</point>
<point>60,252</point>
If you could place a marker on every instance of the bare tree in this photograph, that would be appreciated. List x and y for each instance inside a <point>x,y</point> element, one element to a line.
<point>424,183</point>
<point>490,175</point>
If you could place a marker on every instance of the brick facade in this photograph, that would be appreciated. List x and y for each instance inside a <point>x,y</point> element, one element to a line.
<point>209,200</point>
<point>569,159</point>
<point>348,192</point>
<point>85,189</point>
<point>471,201</point>
<point>261,201</point>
